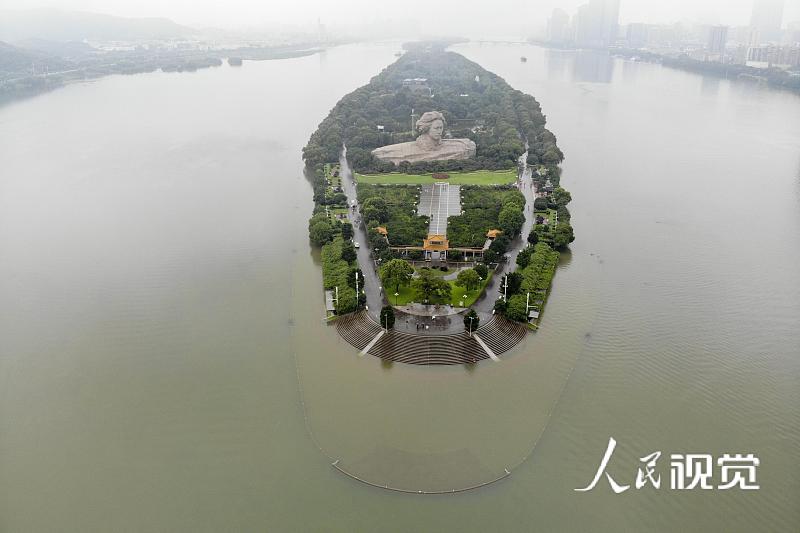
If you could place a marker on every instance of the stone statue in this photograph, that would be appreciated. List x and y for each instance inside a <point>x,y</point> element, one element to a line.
<point>429,146</point>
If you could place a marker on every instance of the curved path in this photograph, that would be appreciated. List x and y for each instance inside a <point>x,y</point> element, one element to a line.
<point>499,335</point>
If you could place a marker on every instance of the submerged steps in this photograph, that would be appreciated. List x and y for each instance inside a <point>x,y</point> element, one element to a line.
<point>498,334</point>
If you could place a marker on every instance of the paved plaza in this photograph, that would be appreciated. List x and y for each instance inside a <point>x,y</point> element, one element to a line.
<point>439,201</point>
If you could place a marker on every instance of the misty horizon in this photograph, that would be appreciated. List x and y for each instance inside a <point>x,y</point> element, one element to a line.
<point>417,18</point>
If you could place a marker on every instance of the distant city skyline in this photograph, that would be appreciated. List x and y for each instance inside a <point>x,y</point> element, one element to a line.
<point>446,15</point>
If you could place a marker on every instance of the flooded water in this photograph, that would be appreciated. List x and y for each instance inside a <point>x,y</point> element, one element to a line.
<point>164,365</point>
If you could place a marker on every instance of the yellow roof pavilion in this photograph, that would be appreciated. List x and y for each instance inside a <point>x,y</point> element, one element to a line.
<point>436,243</point>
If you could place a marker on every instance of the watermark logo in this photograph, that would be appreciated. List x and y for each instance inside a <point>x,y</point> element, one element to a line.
<point>687,471</point>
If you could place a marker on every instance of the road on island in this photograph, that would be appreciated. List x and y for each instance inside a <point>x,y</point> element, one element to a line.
<point>371,283</point>
<point>485,303</point>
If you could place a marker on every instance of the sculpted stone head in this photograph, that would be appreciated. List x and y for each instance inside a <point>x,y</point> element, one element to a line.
<point>429,146</point>
<point>431,127</point>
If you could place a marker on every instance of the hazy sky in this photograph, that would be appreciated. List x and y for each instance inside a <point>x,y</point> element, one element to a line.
<point>238,13</point>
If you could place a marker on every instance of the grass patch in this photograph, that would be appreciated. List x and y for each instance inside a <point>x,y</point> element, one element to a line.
<point>406,294</point>
<point>476,177</point>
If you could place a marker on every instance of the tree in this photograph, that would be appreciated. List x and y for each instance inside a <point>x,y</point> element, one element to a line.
<point>347,230</point>
<point>468,279</point>
<point>375,209</point>
<point>563,235</point>
<point>387,317</point>
<point>500,306</point>
<point>471,321</point>
<point>429,287</point>
<point>500,244</point>
<point>514,281</point>
<point>516,308</point>
<point>351,278</point>
<point>533,237</point>
<point>490,256</point>
<point>338,199</point>
<point>510,220</point>
<point>482,270</point>
<point>349,252</point>
<point>524,257</point>
<point>321,231</point>
<point>395,273</point>
<point>540,204</point>
<point>561,197</point>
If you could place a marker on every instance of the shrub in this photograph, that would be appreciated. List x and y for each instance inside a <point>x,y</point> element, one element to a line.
<point>387,317</point>
<point>471,320</point>
<point>347,230</point>
<point>516,308</point>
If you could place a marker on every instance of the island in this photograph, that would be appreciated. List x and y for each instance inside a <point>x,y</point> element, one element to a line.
<point>438,211</point>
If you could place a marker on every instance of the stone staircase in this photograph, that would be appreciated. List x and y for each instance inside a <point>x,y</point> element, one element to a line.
<point>357,328</point>
<point>499,334</point>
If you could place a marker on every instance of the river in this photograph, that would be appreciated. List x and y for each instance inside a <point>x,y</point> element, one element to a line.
<point>164,364</point>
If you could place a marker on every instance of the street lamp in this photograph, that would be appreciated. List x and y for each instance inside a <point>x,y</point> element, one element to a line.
<point>395,297</point>
<point>471,318</point>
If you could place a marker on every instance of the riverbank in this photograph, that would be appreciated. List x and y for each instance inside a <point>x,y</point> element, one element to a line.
<point>773,77</point>
<point>54,72</point>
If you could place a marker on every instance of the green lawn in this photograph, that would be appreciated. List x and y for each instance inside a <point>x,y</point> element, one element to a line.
<point>406,294</point>
<point>477,177</point>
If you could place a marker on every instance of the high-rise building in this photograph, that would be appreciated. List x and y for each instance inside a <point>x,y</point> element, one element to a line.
<point>597,23</point>
<point>637,34</point>
<point>558,26</point>
<point>609,21</point>
<point>766,20</point>
<point>717,37</point>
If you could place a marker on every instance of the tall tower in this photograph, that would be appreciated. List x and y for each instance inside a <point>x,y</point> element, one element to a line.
<point>766,20</point>
<point>610,22</point>
<point>597,23</point>
<point>717,37</point>
<point>557,26</point>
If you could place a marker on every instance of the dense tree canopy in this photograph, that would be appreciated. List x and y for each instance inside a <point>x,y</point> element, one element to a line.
<point>475,102</point>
